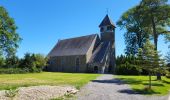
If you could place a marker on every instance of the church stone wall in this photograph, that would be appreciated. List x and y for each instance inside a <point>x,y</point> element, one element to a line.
<point>67,64</point>
<point>93,46</point>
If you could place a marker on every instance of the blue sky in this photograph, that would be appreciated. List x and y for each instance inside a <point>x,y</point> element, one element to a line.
<point>41,23</point>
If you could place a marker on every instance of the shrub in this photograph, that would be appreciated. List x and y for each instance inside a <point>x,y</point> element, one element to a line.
<point>12,62</point>
<point>34,62</point>
<point>13,70</point>
<point>125,65</point>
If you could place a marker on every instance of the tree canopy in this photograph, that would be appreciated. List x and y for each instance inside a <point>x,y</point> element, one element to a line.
<point>149,19</point>
<point>9,38</point>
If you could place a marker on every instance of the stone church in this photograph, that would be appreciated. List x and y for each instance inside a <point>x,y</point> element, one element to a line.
<point>91,53</point>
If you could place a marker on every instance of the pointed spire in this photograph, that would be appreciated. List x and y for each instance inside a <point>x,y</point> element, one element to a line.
<point>106,21</point>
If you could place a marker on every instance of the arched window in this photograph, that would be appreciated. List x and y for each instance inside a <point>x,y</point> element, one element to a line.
<point>101,29</point>
<point>77,64</point>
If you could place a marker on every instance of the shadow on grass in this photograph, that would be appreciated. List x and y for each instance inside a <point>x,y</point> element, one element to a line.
<point>163,81</point>
<point>154,84</point>
<point>119,81</point>
<point>130,81</point>
<point>112,81</point>
<point>138,91</point>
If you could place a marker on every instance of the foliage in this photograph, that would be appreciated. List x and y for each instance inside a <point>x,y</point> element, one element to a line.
<point>149,18</point>
<point>13,81</point>
<point>2,62</point>
<point>11,93</point>
<point>168,74</point>
<point>156,15</point>
<point>139,83</point>
<point>149,59</point>
<point>14,70</point>
<point>34,62</point>
<point>9,39</point>
<point>136,32</point>
<point>125,65</point>
<point>168,57</point>
<point>12,62</point>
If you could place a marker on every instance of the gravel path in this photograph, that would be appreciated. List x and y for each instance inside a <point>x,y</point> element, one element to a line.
<point>106,87</point>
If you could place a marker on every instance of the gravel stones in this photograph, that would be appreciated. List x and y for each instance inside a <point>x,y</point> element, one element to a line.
<point>106,87</point>
<point>40,92</point>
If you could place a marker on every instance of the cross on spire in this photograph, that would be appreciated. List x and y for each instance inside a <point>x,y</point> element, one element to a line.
<point>107,11</point>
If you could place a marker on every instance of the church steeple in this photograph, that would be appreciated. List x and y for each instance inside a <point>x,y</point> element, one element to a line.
<point>106,25</point>
<point>106,22</point>
<point>107,34</point>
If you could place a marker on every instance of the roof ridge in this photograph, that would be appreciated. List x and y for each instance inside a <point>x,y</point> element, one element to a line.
<point>77,37</point>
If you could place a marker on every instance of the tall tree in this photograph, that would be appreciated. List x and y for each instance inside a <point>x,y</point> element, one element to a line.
<point>9,39</point>
<point>154,18</point>
<point>136,33</point>
<point>156,13</point>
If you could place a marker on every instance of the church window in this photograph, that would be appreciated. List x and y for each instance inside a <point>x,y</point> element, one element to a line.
<point>101,29</point>
<point>109,28</point>
<point>77,64</point>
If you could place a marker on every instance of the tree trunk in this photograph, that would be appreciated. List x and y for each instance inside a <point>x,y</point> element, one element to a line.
<point>150,80</point>
<point>155,35</point>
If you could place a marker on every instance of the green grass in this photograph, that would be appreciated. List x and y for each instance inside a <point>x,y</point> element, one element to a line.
<point>140,83</point>
<point>13,81</point>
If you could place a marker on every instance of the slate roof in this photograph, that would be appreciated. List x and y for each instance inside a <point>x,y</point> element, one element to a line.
<point>73,46</point>
<point>106,21</point>
<point>100,52</point>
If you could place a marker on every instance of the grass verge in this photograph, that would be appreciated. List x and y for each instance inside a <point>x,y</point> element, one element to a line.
<point>13,81</point>
<point>140,83</point>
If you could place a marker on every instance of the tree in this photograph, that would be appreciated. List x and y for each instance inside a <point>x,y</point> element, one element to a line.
<point>12,62</point>
<point>2,61</point>
<point>168,57</point>
<point>34,62</point>
<point>40,61</point>
<point>136,31</point>
<point>9,39</point>
<point>151,17</point>
<point>156,13</point>
<point>149,60</point>
<point>28,62</point>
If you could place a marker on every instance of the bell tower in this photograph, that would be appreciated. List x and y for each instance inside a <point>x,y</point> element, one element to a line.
<point>107,34</point>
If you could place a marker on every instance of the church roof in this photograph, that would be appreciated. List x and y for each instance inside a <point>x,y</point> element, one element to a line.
<point>100,53</point>
<point>106,21</point>
<point>73,46</point>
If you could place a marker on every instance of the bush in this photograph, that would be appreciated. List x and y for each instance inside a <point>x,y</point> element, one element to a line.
<point>12,62</point>
<point>34,62</point>
<point>127,69</point>
<point>125,65</point>
<point>13,70</point>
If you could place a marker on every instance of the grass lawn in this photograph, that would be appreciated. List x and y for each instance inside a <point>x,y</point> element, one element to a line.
<point>13,81</point>
<point>139,84</point>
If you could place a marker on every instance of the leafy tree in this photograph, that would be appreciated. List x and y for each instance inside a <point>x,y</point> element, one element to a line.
<point>2,61</point>
<point>12,62</point>
<point>149,59</point>
<point>151,17</point>
<point>34,62</point>
<point>28,62</point>
<point>136,31</point>
<point>40,61</point>
<point>9,39</point>
<point>156,15</point>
